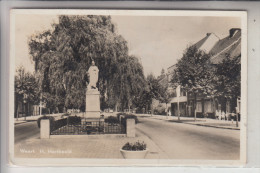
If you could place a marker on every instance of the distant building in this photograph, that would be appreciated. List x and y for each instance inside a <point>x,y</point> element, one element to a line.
<point>27,109</point>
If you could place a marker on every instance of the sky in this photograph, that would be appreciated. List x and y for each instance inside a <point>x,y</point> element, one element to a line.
<point>158,41</point>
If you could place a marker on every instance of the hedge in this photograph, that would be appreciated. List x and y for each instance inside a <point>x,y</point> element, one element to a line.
<point>112,120</point>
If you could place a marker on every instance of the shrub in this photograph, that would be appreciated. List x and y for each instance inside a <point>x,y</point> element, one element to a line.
<point>112,120</point>
<point>159,110</point>
<point>73,120</point>
<point>119,115</point>
<point>137,146</point>
<point>58,124</point>
<point>45,111</point>
<point>53,124</point>
<point>128,116</point>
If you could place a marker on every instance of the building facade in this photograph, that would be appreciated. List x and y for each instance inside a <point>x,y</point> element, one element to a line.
<point>207,106</point>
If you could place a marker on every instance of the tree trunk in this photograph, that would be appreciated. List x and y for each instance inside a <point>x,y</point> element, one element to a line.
<point>116,105</point>
<point>16,107</point>
<point>128,108</point>
<point>25,111</point>
<point>195,107</point>
<point>178,110</point>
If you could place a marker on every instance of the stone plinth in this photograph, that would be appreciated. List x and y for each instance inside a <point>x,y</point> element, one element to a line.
<point>92,104</point>
<point>130,128</point>
<point>45,129</point>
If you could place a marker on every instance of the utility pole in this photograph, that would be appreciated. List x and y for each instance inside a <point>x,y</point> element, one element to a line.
<point>25,108</point>
<point>41,104</point>
<point>178,104</point>
<point>178,93</point>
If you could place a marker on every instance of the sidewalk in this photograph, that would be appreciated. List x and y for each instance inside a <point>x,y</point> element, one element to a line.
<point>207,122</point>
<point>83,147</point>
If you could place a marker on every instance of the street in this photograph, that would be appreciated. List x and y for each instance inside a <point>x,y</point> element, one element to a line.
<point>184,141</point>
<point>26,131</point>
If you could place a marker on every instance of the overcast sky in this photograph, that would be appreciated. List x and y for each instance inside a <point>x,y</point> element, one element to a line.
<point>157,41</point>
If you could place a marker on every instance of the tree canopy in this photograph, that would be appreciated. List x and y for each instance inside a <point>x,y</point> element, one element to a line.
<point>227,79</point>
<point>196,74</point>
<point>26,88</point>
<point>193,71</point>
<point>63,55</point>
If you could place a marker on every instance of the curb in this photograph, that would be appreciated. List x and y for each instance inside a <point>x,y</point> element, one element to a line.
<point>17,123</point>
<point>220,127</point>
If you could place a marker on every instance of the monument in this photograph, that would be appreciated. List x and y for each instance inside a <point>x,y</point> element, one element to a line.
<point>92,94</point>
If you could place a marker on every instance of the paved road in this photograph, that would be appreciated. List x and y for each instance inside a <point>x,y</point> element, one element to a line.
<point>185,141</point>
<point>25,131</point>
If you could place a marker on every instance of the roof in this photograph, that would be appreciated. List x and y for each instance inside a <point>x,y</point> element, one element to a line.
<point>225,42</point>
<point>163,79</point>
<point>233,50</point>
<point>229,45</point>
<point>219,48</point>
<point>207,43</point>
<point>202,41</point>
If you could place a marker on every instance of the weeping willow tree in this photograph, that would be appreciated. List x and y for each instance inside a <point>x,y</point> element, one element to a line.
<point>63,55</point>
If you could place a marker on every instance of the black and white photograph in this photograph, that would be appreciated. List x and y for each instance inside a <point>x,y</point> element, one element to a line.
<point>127,87</point>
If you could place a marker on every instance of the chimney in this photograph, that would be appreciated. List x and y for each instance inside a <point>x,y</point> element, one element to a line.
<point>233,31</point>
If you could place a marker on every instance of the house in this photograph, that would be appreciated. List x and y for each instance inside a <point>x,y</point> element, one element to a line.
<point>207,105</point>
<point>27,109</point>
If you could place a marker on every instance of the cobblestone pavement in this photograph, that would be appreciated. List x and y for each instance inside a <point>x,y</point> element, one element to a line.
<point>107,148</point>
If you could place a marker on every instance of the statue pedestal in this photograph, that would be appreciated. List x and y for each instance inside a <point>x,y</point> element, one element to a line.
<point>92,104</point>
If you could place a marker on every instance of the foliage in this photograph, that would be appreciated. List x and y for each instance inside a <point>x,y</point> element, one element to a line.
<point>54,124</point>
<point>128,83</point>
<point>137,146</point>
<point>26,88</point>
<point>52,119</point>
<point>118,115</point>
<point>126,116</point>
<point>193,71</point>
<point>58,124</point>
<point>159,110</point>
<point>63,55</point>
<point>227,79</point>
<point>112,120</point>
<point>74,120</point>
<point>151,91</point>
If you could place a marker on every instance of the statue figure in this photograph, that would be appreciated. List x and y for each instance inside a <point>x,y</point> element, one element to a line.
<point>93,76</point>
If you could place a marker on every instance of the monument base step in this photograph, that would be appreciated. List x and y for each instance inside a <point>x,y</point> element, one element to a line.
<point>92,114</point>
<point>92,119</point>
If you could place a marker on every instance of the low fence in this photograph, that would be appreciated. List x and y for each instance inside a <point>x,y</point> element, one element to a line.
<point>89,127</point>
<point>78,126</point>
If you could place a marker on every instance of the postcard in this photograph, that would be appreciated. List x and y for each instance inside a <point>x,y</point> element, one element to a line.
<point>127,87</point>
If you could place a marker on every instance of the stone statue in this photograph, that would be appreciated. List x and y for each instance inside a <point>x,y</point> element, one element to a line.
<point>93,76</point>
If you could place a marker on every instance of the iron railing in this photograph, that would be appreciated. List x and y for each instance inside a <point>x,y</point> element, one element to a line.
<point>87,127</point>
